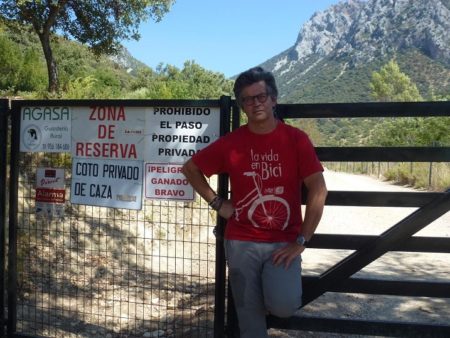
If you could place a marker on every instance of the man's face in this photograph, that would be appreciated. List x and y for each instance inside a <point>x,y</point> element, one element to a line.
<point>256,103</point>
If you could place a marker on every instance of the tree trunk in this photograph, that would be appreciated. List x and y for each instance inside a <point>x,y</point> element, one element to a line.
<point>52,67</point>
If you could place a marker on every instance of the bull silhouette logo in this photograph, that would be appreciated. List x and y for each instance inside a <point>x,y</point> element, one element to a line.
<point>33,133</point>
<point>31,137</point>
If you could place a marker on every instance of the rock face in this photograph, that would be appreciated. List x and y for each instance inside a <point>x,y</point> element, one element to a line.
<point>357,34</point>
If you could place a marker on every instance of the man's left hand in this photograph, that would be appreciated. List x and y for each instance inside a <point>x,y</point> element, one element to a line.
<point>285,255</point>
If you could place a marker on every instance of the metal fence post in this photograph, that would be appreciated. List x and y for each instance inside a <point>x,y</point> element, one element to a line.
<point>3,169</point>
<point>232,320</point>
<point>12,229</point>
<point>219,309</point>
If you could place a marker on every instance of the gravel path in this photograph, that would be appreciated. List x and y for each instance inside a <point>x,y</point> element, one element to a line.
<point>392,266</point>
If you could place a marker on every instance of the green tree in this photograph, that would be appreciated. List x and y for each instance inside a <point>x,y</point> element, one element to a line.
<point>390,84</point>
<point>10,59</point>
<point>21,67</point>
<point>32,75</point>
<point>191,82</point>
<point>99,24</point>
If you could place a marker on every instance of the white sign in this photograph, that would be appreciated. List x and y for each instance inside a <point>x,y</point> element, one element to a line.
<point>50,192</point>
<point>174,134</point>
<point>166,181</point>
<point>45,129</point>
<point>107,183</point>
<point>115,132</point>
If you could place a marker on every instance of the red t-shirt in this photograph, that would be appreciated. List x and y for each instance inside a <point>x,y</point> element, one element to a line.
<point>266,173</point>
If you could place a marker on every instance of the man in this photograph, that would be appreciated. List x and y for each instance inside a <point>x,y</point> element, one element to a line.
<point>267,162</point>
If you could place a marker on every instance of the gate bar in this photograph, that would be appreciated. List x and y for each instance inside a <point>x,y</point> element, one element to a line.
<point>3,168</point>
<point>358,326</point>
<point>374,286</point>
<point>356,242</point>
<point>384,154</point>
<point>364,109</point>
<point>377,247</point>
<point>379,198</point>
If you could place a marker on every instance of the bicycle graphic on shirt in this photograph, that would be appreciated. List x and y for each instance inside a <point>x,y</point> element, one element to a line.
<point>266,211</point>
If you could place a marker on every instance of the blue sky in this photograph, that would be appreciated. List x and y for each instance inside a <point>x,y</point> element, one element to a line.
<point>226,36</point>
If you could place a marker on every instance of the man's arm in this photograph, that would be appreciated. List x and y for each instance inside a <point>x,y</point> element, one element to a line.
<point>315,201</point>
<point>198,181</point>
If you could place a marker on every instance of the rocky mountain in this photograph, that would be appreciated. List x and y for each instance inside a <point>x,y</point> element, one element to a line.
<point>127,61</point>
<point>338,49</point>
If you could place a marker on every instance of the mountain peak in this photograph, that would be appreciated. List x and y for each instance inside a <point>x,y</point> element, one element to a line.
<point>358,32</point>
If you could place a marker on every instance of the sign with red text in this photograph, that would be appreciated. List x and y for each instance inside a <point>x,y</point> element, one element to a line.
<point>166,181</point>
<point>50,192</point>
<point>45,129</point>
<point>174,134</point>
<point>108,132</point>
<point>107,183</point>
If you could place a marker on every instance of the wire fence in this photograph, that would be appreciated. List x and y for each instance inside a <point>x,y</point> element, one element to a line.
<point>430,176</point>
<point>112,272</point>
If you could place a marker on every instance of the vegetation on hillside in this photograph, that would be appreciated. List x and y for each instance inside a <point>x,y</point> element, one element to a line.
<point>325,81</point>
<point>98,24</point>
<point>388,83</point>
<point>85,75</point>
<point>391,84</point>
<point>332,80</point>
<point>169,82</point>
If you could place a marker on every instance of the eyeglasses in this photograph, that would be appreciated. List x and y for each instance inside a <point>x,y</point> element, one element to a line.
<point>250,100</point>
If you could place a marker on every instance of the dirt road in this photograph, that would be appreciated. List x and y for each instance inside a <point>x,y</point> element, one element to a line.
<point>392,266</point>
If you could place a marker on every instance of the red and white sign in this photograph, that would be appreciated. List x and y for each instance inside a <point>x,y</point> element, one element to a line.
<point>108,133</point>
<point>166,181</point>
<point>50,192</point>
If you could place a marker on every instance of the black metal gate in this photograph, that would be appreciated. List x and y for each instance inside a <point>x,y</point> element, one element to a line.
<point>430,206</point>
<point>160,272</point>
<point>103,271</point>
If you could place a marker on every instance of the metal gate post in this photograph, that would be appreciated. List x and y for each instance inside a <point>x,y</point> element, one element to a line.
<point>232,320</point>
<point>219,308</point>
<point>3,168</point>
<point>13,209</point>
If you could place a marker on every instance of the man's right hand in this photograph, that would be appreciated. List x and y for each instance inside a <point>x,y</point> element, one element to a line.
<point>226,210</point>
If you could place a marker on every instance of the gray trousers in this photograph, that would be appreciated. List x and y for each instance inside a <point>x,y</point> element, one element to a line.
<point>259,287</point>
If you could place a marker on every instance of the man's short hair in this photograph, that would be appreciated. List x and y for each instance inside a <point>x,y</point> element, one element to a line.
<point>252,76</point>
